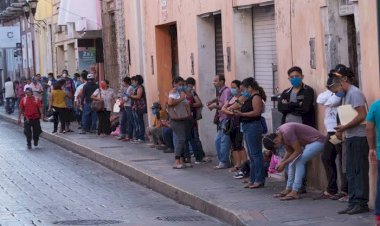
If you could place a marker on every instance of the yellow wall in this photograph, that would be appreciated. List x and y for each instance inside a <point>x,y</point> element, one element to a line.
<point>44,12</point>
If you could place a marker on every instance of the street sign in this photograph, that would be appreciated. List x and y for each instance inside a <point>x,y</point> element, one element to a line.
<point>9,37</point>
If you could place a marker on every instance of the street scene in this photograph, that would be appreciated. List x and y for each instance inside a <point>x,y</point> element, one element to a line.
<point>52,186</point>
<point>184,112</point>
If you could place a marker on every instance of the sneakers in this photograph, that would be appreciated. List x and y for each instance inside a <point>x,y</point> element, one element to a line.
<point>29,146</point>
<point>54,131</point>
<point>239,175</point>
<point>169,150</point>
<point>221,166</point>
<point>138,141</point>
<point>120,137</point>
<point>35,143</point>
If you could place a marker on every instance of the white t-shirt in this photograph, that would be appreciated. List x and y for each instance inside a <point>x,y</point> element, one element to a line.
<point>108,96</point>
<point>9,89</point>
<point>36,88</point>
<point>331,102</point>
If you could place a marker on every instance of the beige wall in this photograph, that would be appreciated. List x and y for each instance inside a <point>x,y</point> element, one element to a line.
<point>296,22</point>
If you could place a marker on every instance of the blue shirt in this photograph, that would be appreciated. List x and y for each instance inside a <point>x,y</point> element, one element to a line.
<point>374,117</point>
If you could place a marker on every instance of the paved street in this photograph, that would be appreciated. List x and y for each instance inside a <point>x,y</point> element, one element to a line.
<point>52,186</point>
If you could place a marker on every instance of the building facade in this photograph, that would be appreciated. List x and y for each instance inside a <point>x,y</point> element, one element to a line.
<point>77,37</point>
<point>258,38</point>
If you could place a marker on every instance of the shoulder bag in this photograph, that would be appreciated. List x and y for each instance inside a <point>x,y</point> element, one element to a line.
<point>98,105</point>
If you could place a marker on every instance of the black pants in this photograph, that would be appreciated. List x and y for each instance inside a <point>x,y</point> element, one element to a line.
<point>357,167</point>
<point>104,122</point>
<point>59,116</point>
<point>32,128</point>
<point>329,155</point>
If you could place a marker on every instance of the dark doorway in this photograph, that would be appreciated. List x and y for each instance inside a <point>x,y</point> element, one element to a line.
<point>352,47</point>
<point>219,60</point>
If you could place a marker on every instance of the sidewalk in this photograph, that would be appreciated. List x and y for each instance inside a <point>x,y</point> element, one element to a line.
<point>213,192</point>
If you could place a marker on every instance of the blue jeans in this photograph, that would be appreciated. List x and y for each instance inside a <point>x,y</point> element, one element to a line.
<point>123,122</point>
<point>167,136</point>
<point>223,145</point>
<point>297,168</point>
<point>130,121</point>
<point>196,144</point>
<point>139,125</point>
<point>253,132</point>
<point>88,117</point>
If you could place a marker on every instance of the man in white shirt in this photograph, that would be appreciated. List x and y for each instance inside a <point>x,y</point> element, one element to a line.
<point>10,95</point>
<point>36,86</point>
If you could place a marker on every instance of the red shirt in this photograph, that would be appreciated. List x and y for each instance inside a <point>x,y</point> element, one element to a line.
<point>31,107</point>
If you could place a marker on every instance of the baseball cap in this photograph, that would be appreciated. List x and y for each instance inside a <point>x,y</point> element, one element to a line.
<point>28,89</point>
<point>90,76</point>
<point>156,105</point>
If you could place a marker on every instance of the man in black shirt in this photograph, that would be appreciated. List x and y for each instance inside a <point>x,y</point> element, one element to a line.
<point>89,117</point>
<point>297,102</point>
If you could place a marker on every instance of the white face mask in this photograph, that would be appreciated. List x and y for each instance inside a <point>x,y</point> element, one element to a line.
<point>64,75</point>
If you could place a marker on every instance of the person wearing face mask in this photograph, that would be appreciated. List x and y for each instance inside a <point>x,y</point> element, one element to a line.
<point>196,106</point>
<point>297,102</point>
<point>106,94</point>
<point>180,121</point>
<point>222,140</point>
<point>155,131</point>
<point>330,102</point>
<point>355,141</point>
<point>238,152</point>
<point>36,86</point>
<point>139,108</point>
<point>89,117</point>
<point>252,128</point>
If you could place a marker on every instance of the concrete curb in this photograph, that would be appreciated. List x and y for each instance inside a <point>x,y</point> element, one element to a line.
<point>143,178</point>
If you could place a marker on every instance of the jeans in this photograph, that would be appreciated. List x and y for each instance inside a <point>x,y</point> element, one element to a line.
<point>357,167</point>
<point>297,167</point>
<point>10,104</point>
<point>167,136</point>
<point>182,130</point>
<point>223,145</point>
<point>253,132</point>
<point>130,121</point>
<point>88,117</point>
<point>329,155</point>
<point>32,128</point>
<point>196,144</point>
<point>123,122</point>
<point>139,125</point>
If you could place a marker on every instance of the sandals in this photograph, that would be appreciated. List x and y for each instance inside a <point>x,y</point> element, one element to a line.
<point>324,195</point>
<point>256,185</point>
<point>281,194</point>
<point>338,196</point>
<point>289,198</point>
<point>180,166</point>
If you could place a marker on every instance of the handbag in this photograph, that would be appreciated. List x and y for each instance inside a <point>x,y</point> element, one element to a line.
<point>181,111</point>
<point>228,126</point>
<point>139,105</point>
<point>98,105</point>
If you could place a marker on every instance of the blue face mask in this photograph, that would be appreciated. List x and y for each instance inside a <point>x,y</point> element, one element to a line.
<point>155,111</point>
<point>245,94</point>
<point>180,89</point>
<point>234,92</point>
<point>340,94</point>
<point>296,82</point>
<point>133,85</point>
<point>187,89</point>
